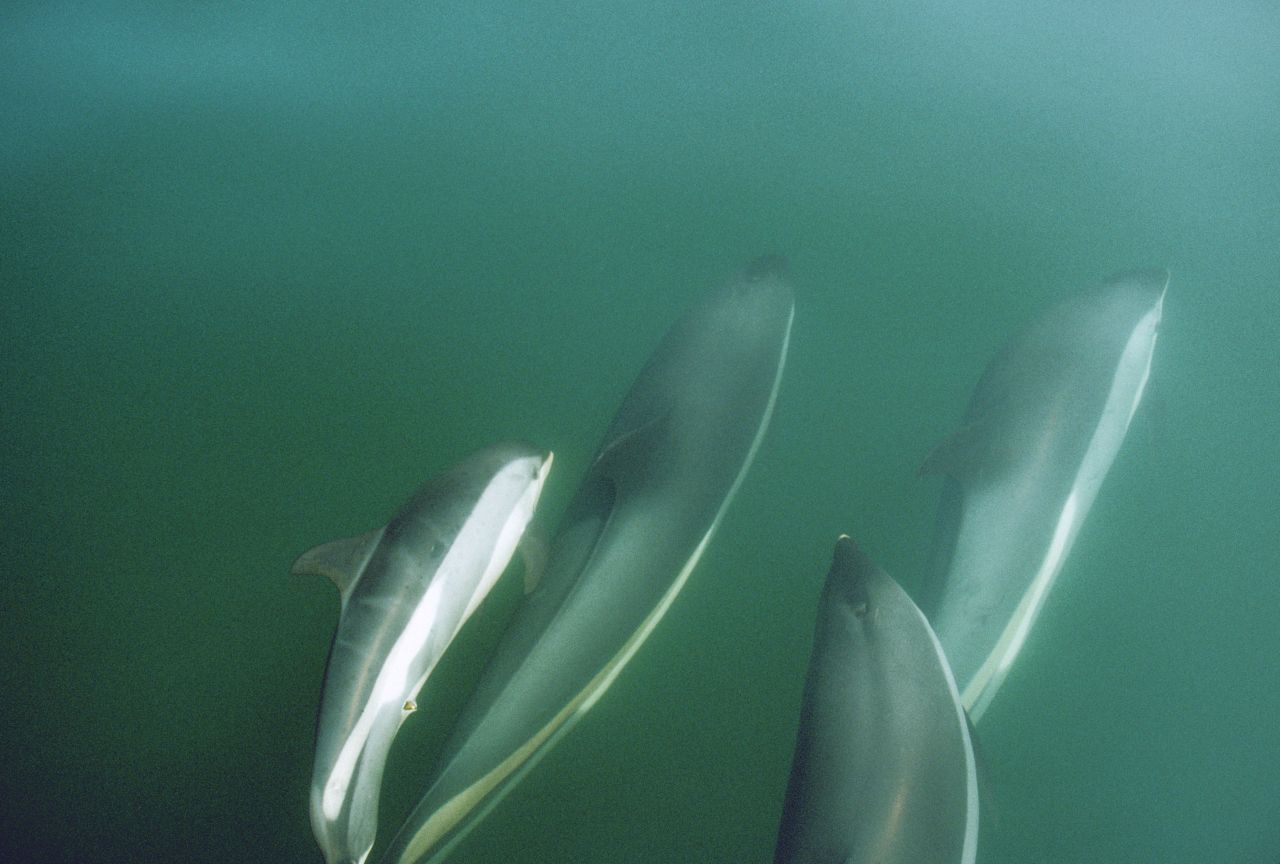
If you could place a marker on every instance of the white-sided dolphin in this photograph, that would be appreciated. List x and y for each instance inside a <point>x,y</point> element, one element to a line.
<point>659,484</point>
<point>1040,433</point>
<point>884,770</point>
<point>407,588</point>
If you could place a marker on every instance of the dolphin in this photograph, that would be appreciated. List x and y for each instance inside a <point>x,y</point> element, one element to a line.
<point>884,769</point>
<point>658,486</point>
<point>1040,433</point>
<point>407,588</point>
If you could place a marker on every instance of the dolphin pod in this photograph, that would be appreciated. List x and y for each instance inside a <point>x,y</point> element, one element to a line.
<point>1040,433</point>
<point>658,486</point>
<point>883,771</point>
<point>407,588</point>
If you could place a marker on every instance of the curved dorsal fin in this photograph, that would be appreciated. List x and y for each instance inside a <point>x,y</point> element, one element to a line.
<point>340,560</point>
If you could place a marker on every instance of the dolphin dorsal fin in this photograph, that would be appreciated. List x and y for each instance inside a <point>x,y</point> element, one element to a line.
<point>340,560</point>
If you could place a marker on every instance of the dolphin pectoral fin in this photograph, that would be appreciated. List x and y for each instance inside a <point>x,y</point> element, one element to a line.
<point>533,552</point>
<point>340,560</point>
<point>956,454</point>
<point>628,456</point>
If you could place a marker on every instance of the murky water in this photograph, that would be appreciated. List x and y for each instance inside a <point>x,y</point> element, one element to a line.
<point>266,268</point>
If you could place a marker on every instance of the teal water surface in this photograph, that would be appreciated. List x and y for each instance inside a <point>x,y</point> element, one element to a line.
<point>266,267</point>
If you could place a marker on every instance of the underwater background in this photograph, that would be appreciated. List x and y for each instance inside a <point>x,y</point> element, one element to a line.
<point>265,267</point>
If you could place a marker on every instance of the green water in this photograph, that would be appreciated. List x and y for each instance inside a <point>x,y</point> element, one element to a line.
<point>267,266</point>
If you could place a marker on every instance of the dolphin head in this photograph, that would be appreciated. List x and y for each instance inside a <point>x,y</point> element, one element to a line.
<point>849,580</point>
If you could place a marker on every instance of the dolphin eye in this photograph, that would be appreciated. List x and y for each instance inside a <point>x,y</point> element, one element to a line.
<point>436,548</point>
<point>860,608</point>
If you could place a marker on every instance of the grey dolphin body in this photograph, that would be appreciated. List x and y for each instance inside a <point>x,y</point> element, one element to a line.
<point>1040,433</point>
<point>406,590</point>
<point>668,466</point>
<point>883,771</point>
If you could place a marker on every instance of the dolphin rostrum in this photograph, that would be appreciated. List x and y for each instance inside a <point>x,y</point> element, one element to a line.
<point>669,464</point>
<point>1040,433</point>
<point>407,588</point>
<point>883,771</point>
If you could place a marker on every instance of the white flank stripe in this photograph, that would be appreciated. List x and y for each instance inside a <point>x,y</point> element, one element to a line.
<point>1127,387</point>
<point>392,685</point>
